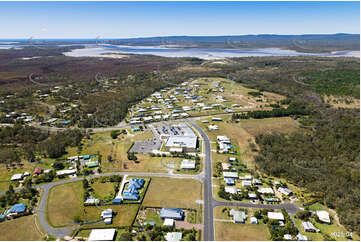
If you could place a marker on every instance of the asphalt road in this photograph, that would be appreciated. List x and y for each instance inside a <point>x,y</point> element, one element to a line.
<point>208,231</point>
<point>210,203</point>
<point>206,177</point>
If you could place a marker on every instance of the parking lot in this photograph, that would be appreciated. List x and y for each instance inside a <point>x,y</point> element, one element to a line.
<point>146,146</point>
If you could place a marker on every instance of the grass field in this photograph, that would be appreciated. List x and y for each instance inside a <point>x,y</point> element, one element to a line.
<point>22,228</point>
<point>229,231</point>
<point>64,202</point>
<point>169,192</point>
<point>124,215</point>
<point>103,189</point>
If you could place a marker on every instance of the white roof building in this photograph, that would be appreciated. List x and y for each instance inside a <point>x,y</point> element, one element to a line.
<point>266,190</point>
<point>101,235</point>
<point>65,172</point>
<point>301,237</point>
<point>287,237</point>
<point>323,216</point>
<point>276,216</point>
<point>107,213</point>
<point>246,183</point>
<point>254,220</point>
<point>17,177</point>
<point>309,227</point>
<point>189,142</point>
<point>231,190</point>
<point>226,166</point>
<point>173,236</point>
<point>285,191</point>
<point>213,127</point>
<point>168,222</point>
<point>188,164</point>
<point>230,174</point>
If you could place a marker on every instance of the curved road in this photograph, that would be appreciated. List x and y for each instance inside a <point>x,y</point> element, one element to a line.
<point>205,176</point>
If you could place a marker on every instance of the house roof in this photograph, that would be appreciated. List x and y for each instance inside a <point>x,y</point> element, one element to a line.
<point>18,176</point>
<point>17,208</point>
<point>323,216</point>
<point>308,226</point>
<point>287,237</point>
<point>238,216</point>
<point>101,235</point>
<point>226,166</point>
<point>229,180</point>
<point>284,190</point>
<point>188,164</point>
<point>231,190</point>
<point>168,222</point>
<point>171,213</point>
<point>230,174</point>
<point>173,236</point>
<point>266,190</point>
<point>301,237</point>
<point>274,215</point>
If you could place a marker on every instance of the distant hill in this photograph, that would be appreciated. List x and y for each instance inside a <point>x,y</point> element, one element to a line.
<point>301,43</point>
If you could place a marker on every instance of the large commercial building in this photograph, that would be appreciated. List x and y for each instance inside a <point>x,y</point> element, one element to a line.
<point>180,137</point>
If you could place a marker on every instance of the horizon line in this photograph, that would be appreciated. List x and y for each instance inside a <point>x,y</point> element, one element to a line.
<point>165,36</point>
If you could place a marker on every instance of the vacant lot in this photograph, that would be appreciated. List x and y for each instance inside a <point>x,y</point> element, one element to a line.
<point>64,203</point>
<point>22,228</point>
<point>175,193</point>
<point>227,231</point>
<point>103,190</point>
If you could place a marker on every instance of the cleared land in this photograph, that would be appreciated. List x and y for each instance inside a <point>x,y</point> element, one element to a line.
<point>64,202</point>
<point>229,231</point>
<point>168,192</point>
<point>22,228</point>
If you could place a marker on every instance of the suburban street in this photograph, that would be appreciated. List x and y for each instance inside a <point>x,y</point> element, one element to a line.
<point>205,176</point>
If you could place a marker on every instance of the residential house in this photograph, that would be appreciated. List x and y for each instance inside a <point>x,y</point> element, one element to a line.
<point>285,191</point>
<point>229,181</point>
<point>266,190</point>
<point>323,216</point>
<point>238,216</point>
<point>173,236</point>
<point>188,164</point>
<point>254,220</point>
<point>309,227</point>
<point>301,237</point>
<point>38,171</point>
<point>173,213</point>
<point>275,215</point>
<point>102,235</point>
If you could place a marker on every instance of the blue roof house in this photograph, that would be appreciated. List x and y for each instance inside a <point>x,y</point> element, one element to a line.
<point>172,213</point>
<point>17,208</point>
<point>130,196</point>
<point>117,200</point>
<point>229,181</point>
<point>132,192</point>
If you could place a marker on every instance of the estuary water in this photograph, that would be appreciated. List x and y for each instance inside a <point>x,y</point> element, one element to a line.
<point>108,50</point>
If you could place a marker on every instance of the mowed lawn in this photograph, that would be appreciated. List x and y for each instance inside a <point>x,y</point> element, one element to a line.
<point>103,189</point>
<point>125,215</point>
<point>64,202</point>
<point>22,228</point>
<point>227,231</point>
<point>173,193</point>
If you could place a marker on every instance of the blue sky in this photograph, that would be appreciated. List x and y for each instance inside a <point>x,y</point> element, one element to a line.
<point>143,19</point>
